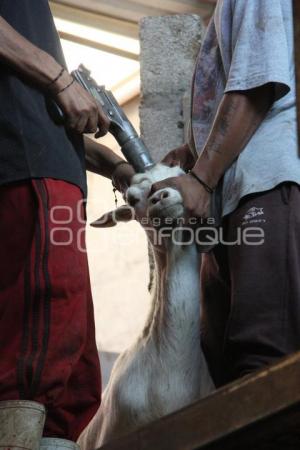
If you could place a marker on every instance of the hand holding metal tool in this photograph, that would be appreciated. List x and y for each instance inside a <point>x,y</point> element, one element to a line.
<point>132,146</point>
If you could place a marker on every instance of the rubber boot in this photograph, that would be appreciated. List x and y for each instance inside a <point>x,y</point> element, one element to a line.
<point>58,444</point>
<point>21,424</point>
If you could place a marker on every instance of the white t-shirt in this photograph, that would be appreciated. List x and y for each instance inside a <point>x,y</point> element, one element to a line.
<point>250,43</point>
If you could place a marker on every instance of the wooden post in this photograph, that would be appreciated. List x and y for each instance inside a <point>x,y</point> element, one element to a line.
<point>297,57</point>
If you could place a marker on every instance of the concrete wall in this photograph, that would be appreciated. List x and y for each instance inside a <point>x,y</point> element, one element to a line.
<point>169,47</point>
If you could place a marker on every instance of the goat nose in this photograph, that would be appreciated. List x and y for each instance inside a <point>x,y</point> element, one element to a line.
<point>132,200</point>
<point>154,200</point>
<point>159,196</point>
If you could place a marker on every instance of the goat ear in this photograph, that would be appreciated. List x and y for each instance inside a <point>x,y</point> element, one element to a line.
<point>122,214</point>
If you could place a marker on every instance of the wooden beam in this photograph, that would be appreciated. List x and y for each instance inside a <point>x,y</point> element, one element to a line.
<point>99,46</point>
<point>176,6</point>
<point>134,10</point>
<point>120,9</point>
<point>94,19</point>
<point>261,412</point>
<point>297,58</point>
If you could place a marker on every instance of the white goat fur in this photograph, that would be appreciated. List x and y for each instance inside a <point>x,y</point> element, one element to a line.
<point>165,369</point>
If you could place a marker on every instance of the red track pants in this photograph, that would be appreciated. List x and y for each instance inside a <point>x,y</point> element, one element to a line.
<point>47,338</point>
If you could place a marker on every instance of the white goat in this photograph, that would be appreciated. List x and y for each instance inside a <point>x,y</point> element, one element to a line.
<point>165,369</point>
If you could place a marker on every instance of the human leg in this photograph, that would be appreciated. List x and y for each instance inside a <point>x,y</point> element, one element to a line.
<point>264,322</point>
<point>46,306</point>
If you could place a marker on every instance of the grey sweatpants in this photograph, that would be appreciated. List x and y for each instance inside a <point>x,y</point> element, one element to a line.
<point>251,293</point>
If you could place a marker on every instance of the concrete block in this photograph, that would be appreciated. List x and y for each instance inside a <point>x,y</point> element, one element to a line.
<point>169,47</point>
<point>162,123</point>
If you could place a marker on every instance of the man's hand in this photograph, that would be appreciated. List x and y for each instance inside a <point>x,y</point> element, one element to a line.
<point>82,111</point>
<point>180,156</point>
<point>103,161</point>
<point>196,200</point>
<point>122,177</point>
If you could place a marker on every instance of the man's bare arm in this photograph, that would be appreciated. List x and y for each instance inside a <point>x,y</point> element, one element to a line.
<point>40,68</point>
<point>103,161</point>
<point>239,116</point>
<point>100,159</point>
<point>27,59</point>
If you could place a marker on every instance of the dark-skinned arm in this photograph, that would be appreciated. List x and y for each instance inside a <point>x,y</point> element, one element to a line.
<point>238,117</point>
<point>40,69</point>
<point>27,59</point>
<point>103,161</point>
